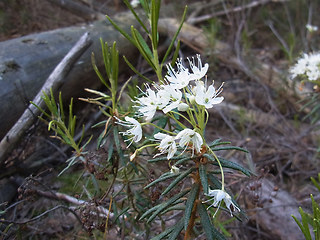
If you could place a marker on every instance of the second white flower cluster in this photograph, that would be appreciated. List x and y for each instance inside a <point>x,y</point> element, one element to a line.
<point>308,65</point>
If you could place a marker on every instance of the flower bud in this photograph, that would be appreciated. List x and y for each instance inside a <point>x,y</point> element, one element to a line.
<point>182,107</point>
<point>133,156</point>
<point>174,169</point>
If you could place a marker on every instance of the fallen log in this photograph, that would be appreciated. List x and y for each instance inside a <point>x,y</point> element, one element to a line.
<point>54,81</point>
<point>26,62</point>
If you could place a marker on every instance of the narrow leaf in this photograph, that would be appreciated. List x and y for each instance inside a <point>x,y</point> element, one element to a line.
<point>142,47</point>
<point>190,203</point>
<point>136,16</point>
<point>210,231</point>
<point>175,35</point>
<point>228,164</point>
<point>177,180</point>
<point>164,234</point>
<point>163,177</point>
<point>230,148</point>
<point>177,229</point>
<point>164,205</point>
<point>204,178</point>
<point>136,71</point>
<point>127,36</point>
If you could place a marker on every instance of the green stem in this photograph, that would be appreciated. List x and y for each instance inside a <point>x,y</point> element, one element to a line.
<point>162,129</point>
<point>220,166</point>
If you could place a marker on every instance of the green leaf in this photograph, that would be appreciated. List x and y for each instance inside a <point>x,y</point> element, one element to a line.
<point>95,68</point>
<point>304,220</point>
<point>175,35</point>
<point>315,183</point>
<point>136,16</point>
<point>176,53</point>
<point>164,234</point>
<point>177,229</point>
<point>142,47</point>
<point>163,121</point>
<point>149,211</point>
<point>190,203</point>
<point>110,152</point>
<point>217,143</point>
<point>228,164</point>
<point>166,204</point>
<point>163,177</point>
<point>215,181</point>
<point>121,213</point>
<point>210,231</point>
<point>118,145</point>
<point>136,71</point>
<point>204,178</point>
<point>165,159</point>
<point>183,160</point>
<point>181,176</point>
<point>127,36</point>
<point>114,68</point>
<point>230,148</point>
<point>155,9</point>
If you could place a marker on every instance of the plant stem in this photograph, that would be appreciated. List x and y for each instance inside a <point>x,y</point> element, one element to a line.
<point>187,235</point>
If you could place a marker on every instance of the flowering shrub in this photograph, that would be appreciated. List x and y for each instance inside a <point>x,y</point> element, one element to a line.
<point>176,108</point>
<point>182,99</point>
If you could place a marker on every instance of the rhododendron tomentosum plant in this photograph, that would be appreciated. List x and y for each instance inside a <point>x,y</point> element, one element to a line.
<point>181,101</point>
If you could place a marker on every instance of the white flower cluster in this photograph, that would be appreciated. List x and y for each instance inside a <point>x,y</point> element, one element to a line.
<point>311,28</point>
<point>308,65</point>
<point>183,91</point>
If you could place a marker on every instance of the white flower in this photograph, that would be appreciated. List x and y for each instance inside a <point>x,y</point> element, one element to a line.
<point>207,98</point>
<point>174,97</point>
<point>135,131</point>
<point>167,144</point>
<point>187,136</point>
<point>218,196</point>
<point>300,67</point>
<point>174,169</point>
<point>311,28</point>
<point>183,107</point>
<point>178,79</point>
<point>198,71</point>
<point>148,104</point>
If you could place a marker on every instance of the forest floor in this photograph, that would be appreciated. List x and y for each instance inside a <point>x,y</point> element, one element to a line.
<point>268,122</point>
